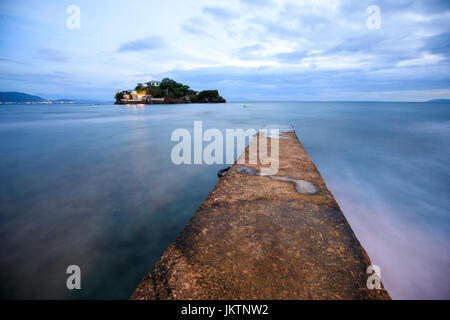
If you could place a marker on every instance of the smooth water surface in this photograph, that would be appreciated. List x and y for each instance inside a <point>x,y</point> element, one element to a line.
<point>94,186</point>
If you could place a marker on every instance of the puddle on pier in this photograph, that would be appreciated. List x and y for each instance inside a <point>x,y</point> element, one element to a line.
<point>301,186</point>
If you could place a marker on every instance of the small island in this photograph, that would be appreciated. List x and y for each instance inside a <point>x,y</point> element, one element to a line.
<point>167,91</point>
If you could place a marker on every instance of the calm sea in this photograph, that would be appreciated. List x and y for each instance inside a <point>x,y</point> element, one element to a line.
<point>94,186</point>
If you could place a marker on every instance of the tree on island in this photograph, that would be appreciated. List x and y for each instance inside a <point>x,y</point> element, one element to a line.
<point>119,96</point>
<point>122,95</point>
<point>140,88</point>
<point>208,94</point>
<point>175,89</point>
<point>155,92</point>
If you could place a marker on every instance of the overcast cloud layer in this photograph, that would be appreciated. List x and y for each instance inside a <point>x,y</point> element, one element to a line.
<point>248,49</point>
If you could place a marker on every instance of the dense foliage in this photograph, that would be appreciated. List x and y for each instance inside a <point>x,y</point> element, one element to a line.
<point>208,94</point>
<point>156,92</point>
<point>171,89</point>
<point>175,89</point>
<point>140,88</point>
<point>119,96</point>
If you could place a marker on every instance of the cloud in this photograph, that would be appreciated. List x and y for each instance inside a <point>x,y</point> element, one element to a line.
<point>258,3</point>
<point>189,28</point>
<point>439,44</point>
<point>266,83</point>
<point>424,60</point>
<point>52,55</point>
<point>293,57</point>
<point>218,12</point>
<point>195,26</point>
<point>250,52</point>
<point>149,43</point>
<point>11,60</point>
<point>42,78</point>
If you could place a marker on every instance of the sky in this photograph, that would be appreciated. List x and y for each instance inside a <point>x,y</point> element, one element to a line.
<point>313,50</point>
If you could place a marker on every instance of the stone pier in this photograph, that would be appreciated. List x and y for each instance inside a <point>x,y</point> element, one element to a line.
<point>265,237</point>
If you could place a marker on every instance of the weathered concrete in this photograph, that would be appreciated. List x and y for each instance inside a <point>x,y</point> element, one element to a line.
<point>256,237</point>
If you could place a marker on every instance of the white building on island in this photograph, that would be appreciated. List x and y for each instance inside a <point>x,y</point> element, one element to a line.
<point>153,83</point>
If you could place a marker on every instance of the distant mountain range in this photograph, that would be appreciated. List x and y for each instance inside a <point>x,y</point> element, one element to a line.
<point>22,98</point>
<point>19,97</point>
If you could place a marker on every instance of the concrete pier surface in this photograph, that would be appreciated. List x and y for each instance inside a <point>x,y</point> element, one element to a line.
<point>265,237</point>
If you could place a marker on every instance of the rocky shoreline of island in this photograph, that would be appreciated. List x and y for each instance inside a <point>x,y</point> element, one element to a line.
<point>172,101</point>
<point>166,91</point>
